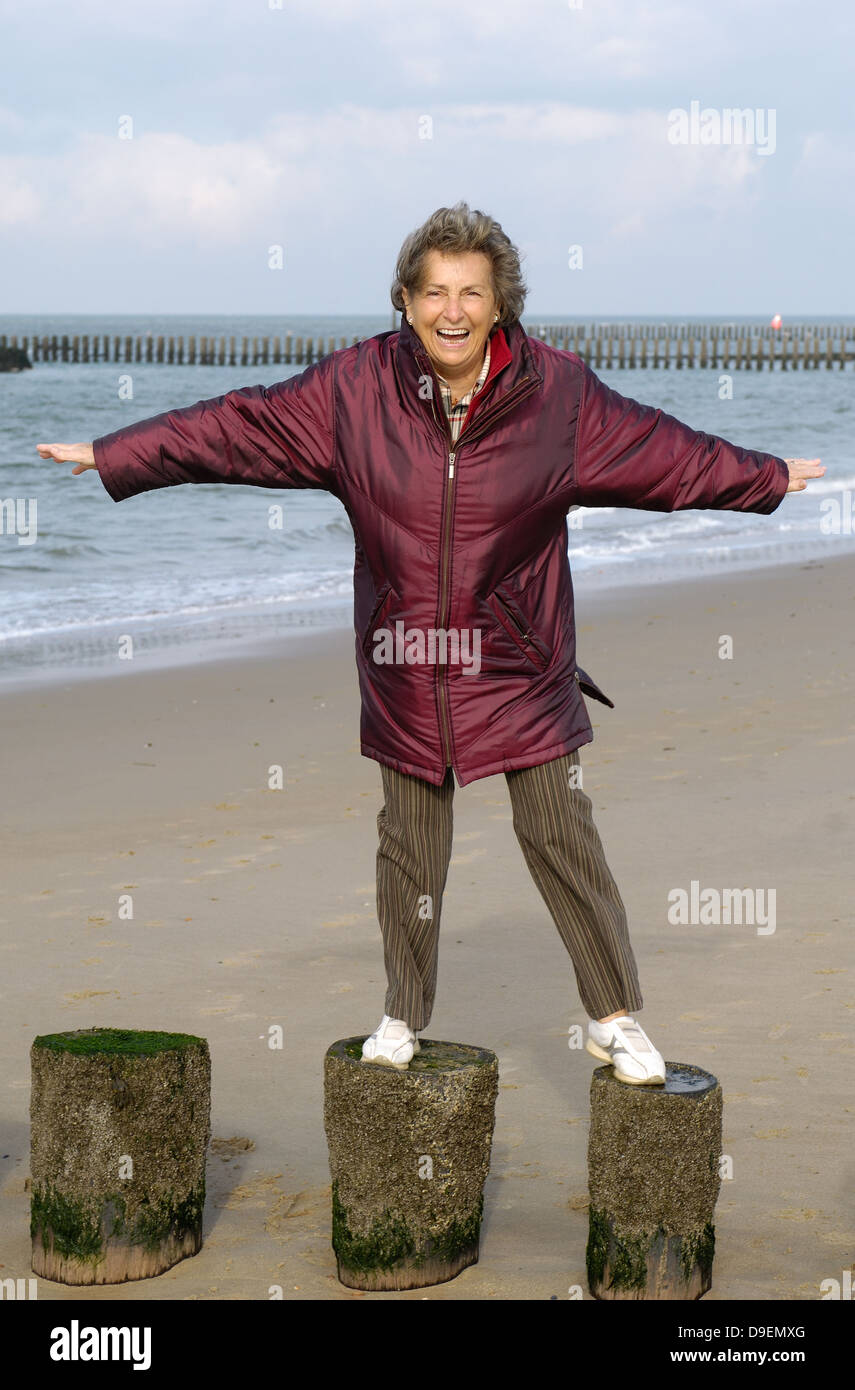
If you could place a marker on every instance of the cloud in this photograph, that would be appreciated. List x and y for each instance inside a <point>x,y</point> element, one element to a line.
<point>159,186</point>
<point>21,204</point>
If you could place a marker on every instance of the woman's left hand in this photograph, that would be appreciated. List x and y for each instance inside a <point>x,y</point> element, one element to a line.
<point>801,469</point>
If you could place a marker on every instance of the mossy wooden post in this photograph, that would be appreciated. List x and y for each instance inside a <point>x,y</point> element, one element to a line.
<point>653,1176</point>
<point>120,1123</point>
<point>409,1154</point>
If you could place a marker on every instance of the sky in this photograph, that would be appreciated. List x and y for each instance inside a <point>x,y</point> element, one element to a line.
<point>270,156</point>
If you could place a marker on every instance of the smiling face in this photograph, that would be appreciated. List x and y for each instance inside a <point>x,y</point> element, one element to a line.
<point>453,311</point>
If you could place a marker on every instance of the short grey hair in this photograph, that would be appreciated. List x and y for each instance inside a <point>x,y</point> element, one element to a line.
<point>454,231</point>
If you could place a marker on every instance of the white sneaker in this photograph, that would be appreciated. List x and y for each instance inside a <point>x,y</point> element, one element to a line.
<point>393,1044</point>
<point>624,1042</point>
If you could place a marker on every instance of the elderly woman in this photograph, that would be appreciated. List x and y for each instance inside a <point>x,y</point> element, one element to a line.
<point>457,446</point>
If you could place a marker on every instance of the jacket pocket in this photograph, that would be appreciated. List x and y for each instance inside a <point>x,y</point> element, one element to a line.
<point>381,607</point>
<point>589,687</point>
<point>519,628</point>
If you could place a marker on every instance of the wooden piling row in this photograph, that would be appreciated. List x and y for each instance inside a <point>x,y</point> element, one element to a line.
<point>717,346</point>
<point>172,350</point>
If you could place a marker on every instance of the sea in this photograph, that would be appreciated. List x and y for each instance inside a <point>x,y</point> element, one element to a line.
<point>196,570</point>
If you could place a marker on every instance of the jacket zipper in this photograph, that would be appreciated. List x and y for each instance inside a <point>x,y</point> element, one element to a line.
<point>445,725</point>
<point>442,689</point>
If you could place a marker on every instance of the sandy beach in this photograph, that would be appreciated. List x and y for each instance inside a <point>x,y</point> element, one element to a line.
<point>255,907</point>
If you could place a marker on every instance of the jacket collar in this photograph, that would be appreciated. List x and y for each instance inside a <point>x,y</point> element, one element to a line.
<point>510,359</point>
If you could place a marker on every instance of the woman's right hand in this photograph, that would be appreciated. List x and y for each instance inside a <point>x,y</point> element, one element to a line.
<point>80,454</point>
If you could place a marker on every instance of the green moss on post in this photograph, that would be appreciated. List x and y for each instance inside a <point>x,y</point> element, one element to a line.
<point>697,1251</point>
<point>126,1042</point>
<point>120,1124</point>
<point>387,1242</point>
<point>409,1154</point>
<point>654,1181</point>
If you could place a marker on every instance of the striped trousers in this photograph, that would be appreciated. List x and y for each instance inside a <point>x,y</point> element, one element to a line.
<point>553,822</point>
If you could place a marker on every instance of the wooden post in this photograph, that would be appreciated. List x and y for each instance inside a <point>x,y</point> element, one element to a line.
<point>409,1153</point>
<point>653,1175</point>
<point>14,359</point>
<point>120,1123</point>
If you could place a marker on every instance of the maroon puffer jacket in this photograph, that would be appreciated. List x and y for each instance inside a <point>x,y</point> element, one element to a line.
<point>469,541</point>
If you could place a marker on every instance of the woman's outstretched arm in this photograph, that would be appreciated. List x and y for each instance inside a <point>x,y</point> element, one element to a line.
<point>633,455</point>
<point>276,436</point>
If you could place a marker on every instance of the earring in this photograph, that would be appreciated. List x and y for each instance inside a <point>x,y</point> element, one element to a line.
<point>409,320</point>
